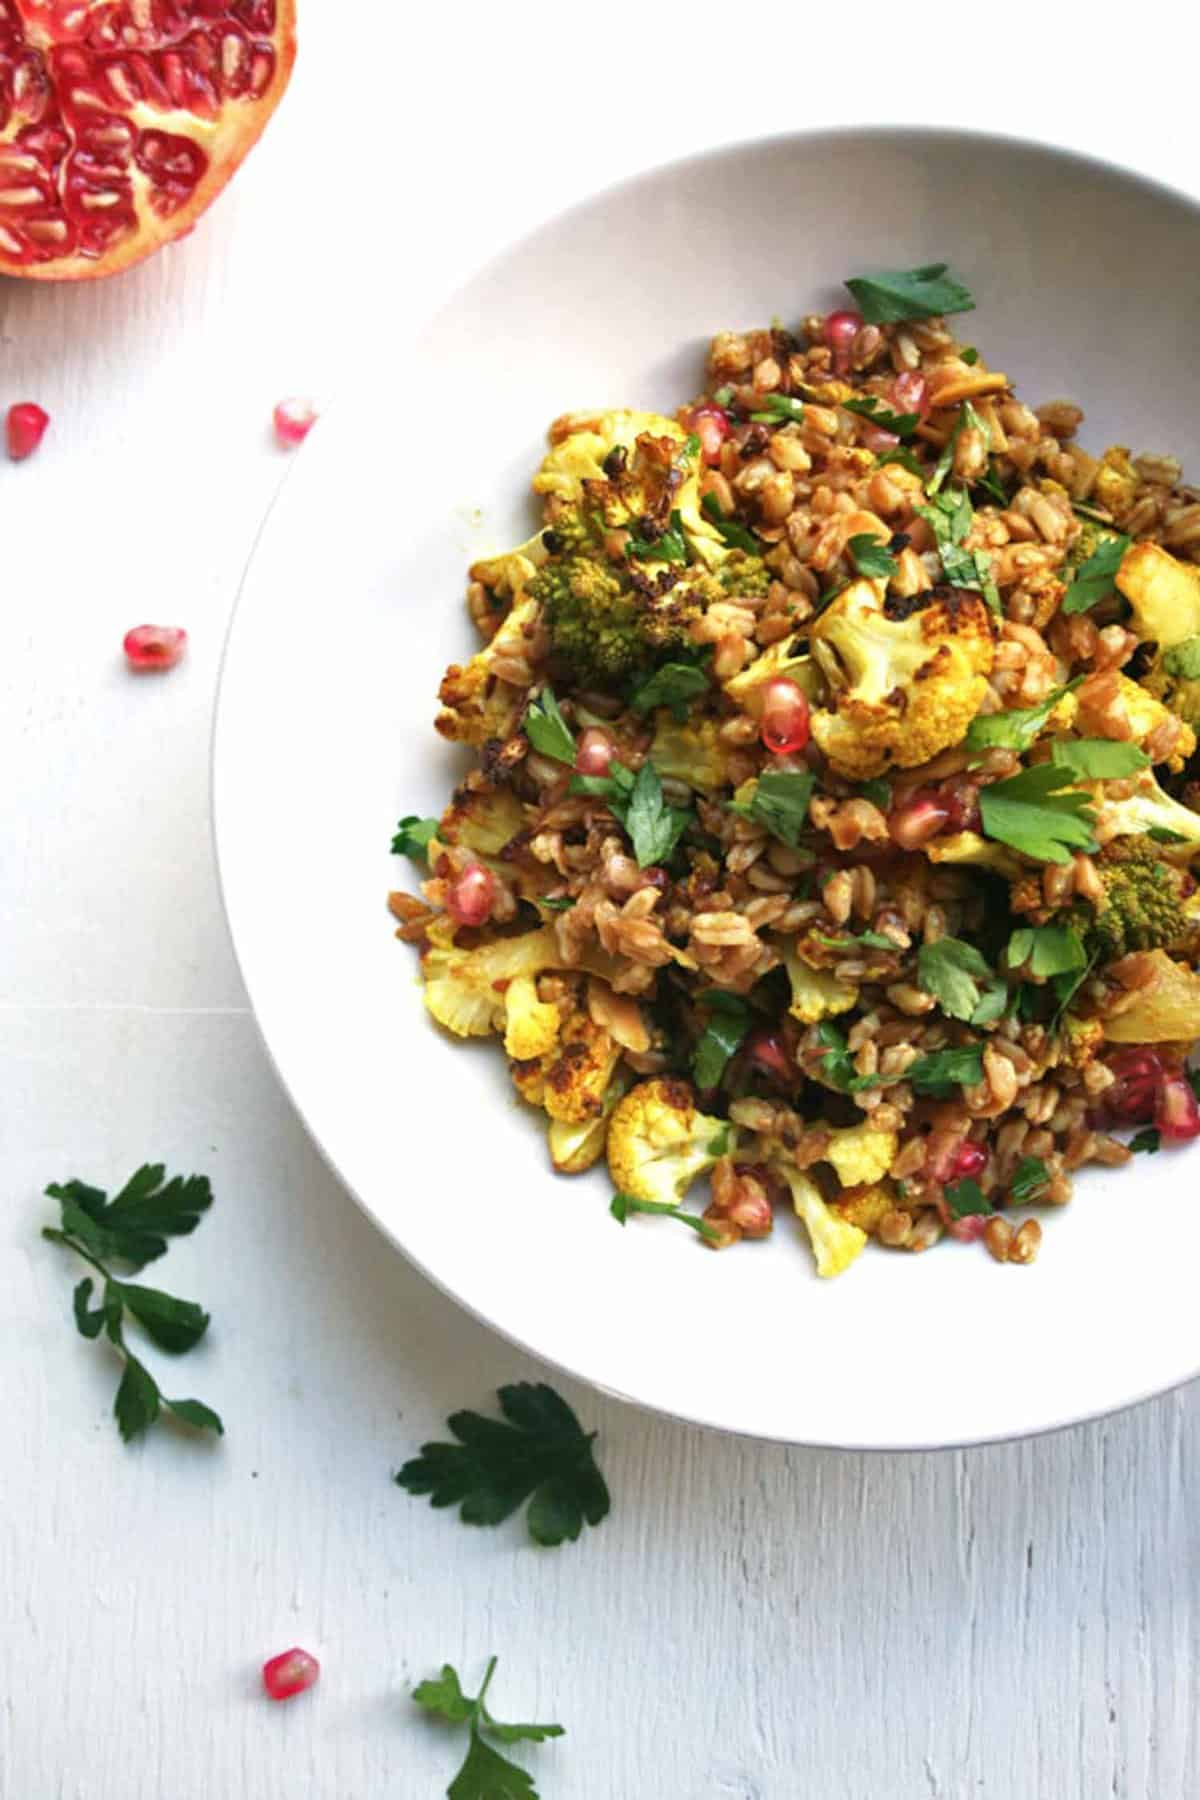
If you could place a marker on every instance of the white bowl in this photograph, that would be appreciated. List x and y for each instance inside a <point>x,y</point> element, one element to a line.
<point>1085,281</point>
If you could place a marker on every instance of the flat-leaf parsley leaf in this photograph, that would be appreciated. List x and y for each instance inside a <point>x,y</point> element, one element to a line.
<point>540,1453</point>
<point>412,837</point>
<point>951,971</point>
<point>899,294</point>
<point>1095,579</point>
<point>485,1774</point>
<point>547,730</point>
<point>780,802</point>
<point>1039,813</point>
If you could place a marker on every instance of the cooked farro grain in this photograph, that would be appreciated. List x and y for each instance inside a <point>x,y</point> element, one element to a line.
<point>836,797</point>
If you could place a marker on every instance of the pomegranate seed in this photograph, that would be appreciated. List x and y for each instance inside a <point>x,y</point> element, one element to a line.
<point>839,332</point>
<point>910,392</point>
<point>1140,1077</point>
<point>711,426</point>
<point>25,428</point>
<point>290,1673</point>
<point>784,725</point>
<point>919,819</point>
<point>154,647</point>
<point>469,900</point>
<point>294,419</point>
<point>766,1049</point>
<point>877,440</point>
<point>967,1230</point>
<point>595,752</point>
<point>968,1161</point>
<point>1177,1115</point>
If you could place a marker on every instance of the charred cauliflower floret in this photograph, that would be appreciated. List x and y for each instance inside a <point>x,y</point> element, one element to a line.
<point>904,677</point>
<point>575,1147</point>
<point>835,1241</point>
<point>483,819</point>
<point>476,704</point>
<point>506,576</point>
<point>659,1141</point>
<point>577,1075</point>
<point>531,1026</point>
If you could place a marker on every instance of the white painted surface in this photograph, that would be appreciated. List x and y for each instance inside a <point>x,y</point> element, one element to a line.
<point>1016,1622</point>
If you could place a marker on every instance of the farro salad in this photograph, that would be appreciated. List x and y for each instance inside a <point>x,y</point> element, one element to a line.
<point>835,794</point>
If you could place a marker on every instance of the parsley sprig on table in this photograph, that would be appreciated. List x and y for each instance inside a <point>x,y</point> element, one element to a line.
<point>485,1774</point>
<point>133,1229</point>
<point>539,1453</point>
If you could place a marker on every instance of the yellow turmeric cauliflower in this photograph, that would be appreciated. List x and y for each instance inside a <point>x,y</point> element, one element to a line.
<point>1163,593</point>
<point>689,752</point>
<point>746,688</point>
<point>531,1026</point>
<point>505,575</point>
<point>860,1154</point>
<point>816,993</point>
<point>1116,481</point>
<point>1132,715</point>
<point>575,1147</point>
<point>865,1206</point>
<point>482,819</point>
<point>659,1141</point>
<point>835,1241</point>
<point>476,704</point>
<point>905,678</point>
<point>465,989</point>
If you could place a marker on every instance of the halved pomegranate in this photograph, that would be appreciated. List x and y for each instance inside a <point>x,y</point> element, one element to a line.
<point>122,120</point>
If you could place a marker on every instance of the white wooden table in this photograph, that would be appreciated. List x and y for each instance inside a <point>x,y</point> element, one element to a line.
<point>1017,1622</point>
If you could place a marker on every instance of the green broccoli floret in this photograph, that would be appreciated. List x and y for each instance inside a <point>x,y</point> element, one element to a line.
<point>741,573</point>
<point>1142,908</point>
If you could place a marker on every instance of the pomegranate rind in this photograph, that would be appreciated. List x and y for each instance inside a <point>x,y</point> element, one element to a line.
<point>226,149</point>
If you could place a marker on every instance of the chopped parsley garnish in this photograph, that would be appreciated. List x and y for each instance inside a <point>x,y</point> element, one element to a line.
<point>723,396</point>
<point>950,518</point>
<point>1097,759</point>
<point>869,406</point>
<point>412,837</point>
<point>732,532</point>
<point>968,419</point>
<point>547,730</point>
<point>485,1774</point>
<point>133,1228</point>
<point>780,803</point>
<point>675,685</point>
<point>1149,1141</point>
<point>637,802</point>
<point>540,1454</point>
<point>966,1199</point>
<point>870,556</point>
<point>905,458</point>
<point>669,547</point>
<point>869,940</point>
<point>951,971</point>
<point>1029,1178</point>
<point>779,406</point>
<point>899,294</point>
<point>990,484</point>
<point>941,1072</point>
<point>1095,579</point>
<point>622,1205</point>
<point>991,1005</point>
<point>726,1027</point>
<point>1017,729</point>
<point>1047,949</point>
<point>970,356</point>
<point>878,792</point>
<point>1039,813</point>
<point>556,902</point>
<point>837,1062</point>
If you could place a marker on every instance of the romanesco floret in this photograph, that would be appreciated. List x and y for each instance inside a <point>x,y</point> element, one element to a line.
<point>904,677</point>
<point>603,626</point>
<point>1142,905</point>
<point>835,1241</point>
<point>659,1141</point>
<point>742,573</point>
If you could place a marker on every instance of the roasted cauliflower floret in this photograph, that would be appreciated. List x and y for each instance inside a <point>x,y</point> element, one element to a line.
<point>860,1154</point>
<point>531,1026</point>
<point>904,677</point>
<point>1116,481</point>
<point>1130,711</point>
<point>690,752</point>
<point>505,576</point>
<point>835,1241</point>
<point>1174,828</point>
<point>865,1206</point>
<point>659,1141</point>
<point>577,1074</point>
<point>483,819</point>
<point>1166,1010</point>
<point>1163,593</point>
<point>816,993</point>
<point>746,688</point>
<point>476,704</point>
<point>972,851</point>
<point>465,989</point>
<point>575,1147</point>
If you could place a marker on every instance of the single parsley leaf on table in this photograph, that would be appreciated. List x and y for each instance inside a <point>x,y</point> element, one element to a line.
<point>622,1205</point>
<point>1040,813</point>
<point>485,1774</point>
<point>1095,579</point>
<point>539,1452</point>
<point>898,294</point>
<point>780,802</point>
<point>547,730</point>
<point>413,835</point>
<point>951,971</point>
<point>133,1228</point>
<point>871,557</point>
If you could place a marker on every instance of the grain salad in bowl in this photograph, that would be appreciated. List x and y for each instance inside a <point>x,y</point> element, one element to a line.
<point>829,835</point>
